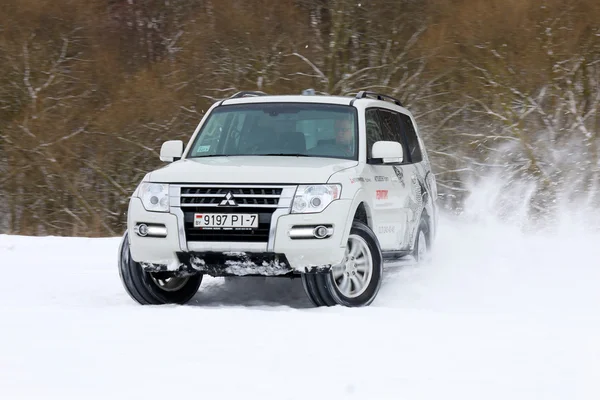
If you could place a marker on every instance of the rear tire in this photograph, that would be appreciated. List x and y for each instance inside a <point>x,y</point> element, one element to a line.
<point>148,288</point>
<point>356,281</point>
<point>421,252</point>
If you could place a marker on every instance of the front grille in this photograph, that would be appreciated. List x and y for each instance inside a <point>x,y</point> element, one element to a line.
<point>261,200</point>
<point>260,234</point>
<point>242,196</point>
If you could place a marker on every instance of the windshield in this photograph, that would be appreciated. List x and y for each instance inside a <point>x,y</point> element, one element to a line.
<point>311,130</point>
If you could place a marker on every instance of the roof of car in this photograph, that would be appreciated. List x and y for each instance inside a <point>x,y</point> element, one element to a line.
<point>251,97</point>
<point>344,100</point>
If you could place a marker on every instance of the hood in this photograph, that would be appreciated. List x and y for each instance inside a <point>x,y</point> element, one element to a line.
<point>251,169</point>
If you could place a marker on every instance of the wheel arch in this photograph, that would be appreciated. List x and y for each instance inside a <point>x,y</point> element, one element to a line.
<point>363,214</point>
<point>359,210</point>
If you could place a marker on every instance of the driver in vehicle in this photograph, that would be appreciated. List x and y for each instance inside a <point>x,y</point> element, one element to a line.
<point>344,135</point>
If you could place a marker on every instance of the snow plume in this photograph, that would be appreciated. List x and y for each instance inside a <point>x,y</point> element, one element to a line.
<point>494,199</point>
<point>498,199</point>
<point>550,192</point>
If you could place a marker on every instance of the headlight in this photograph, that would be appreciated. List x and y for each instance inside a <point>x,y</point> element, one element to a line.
<point>314,198</point>
<point>155,196</point>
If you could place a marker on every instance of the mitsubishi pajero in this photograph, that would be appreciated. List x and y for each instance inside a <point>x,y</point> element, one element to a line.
<point>324,188</point>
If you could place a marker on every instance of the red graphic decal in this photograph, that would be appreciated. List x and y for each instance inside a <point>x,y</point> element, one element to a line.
<point>199,216</point>
<point>381,195</point>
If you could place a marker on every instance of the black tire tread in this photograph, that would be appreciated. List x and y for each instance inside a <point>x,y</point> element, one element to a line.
<point>311,288</point>
<point>309,294</point>
<point>140,287</point>
<point>134,290</point>
<point>321,289</point>
<point>423,226</point>
<point>363,230</point>
<point>321,281</point>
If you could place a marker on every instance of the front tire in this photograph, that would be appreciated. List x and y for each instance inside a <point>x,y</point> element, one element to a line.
<point>356,281</point>
<point>148,288</point>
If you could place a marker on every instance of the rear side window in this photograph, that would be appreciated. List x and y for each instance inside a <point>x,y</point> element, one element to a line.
<point>396,127</point>
<point>392,129</point>
<point>391,126</point>
<point>414,150</point>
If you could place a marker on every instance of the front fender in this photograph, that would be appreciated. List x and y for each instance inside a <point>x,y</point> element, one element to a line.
<point>359,197</point>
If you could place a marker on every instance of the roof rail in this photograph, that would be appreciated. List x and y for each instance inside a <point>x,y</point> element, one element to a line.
<point>245,93</point>
<point>364,94</point>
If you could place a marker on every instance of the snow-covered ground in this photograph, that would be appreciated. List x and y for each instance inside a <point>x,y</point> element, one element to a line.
<point>498,314</point>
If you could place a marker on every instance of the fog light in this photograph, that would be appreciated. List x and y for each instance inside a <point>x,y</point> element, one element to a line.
<point>146,230</point>
<point>301,233</point>
<point>320,232</point>
<point>310,232</point>
<point>141,229</point>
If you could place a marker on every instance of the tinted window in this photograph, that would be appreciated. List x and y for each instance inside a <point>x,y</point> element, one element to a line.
<point>392,129</point>
<point>319,130</point>
<point>391,126</point>
<point>412,141</point>
<point>374,133</point>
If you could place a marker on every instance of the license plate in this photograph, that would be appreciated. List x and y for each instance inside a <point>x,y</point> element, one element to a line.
<point>226,221</point>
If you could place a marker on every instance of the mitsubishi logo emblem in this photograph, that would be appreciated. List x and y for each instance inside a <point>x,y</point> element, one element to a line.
<point>228,200</point>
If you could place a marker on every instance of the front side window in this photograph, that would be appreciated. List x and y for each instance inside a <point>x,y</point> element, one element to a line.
<point>374,132</point>
<point>311,130</point>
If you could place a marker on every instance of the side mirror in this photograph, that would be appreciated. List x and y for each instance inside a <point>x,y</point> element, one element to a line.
<point>171,150</point>
<point>387,152</point>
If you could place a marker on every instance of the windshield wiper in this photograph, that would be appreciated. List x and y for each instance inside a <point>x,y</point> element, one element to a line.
<point>211,155</point>
<point>255,155</point>
<point>285,154</point>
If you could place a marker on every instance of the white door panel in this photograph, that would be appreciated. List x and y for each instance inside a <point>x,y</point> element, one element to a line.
<point>388,214</point>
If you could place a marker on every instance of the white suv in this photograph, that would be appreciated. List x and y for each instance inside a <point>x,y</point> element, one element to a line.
<point>325,188</point>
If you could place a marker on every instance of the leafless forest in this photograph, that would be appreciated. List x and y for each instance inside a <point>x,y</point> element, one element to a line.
<point>90,89</point>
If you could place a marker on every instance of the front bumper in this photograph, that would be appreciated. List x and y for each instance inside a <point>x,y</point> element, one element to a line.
<point>280,255</point>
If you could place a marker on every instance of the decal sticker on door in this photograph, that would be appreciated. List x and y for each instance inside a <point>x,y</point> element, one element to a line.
<point>399,175</point>
<point>360,179</point>
<point>386,229</point>
<point>381,195</point>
